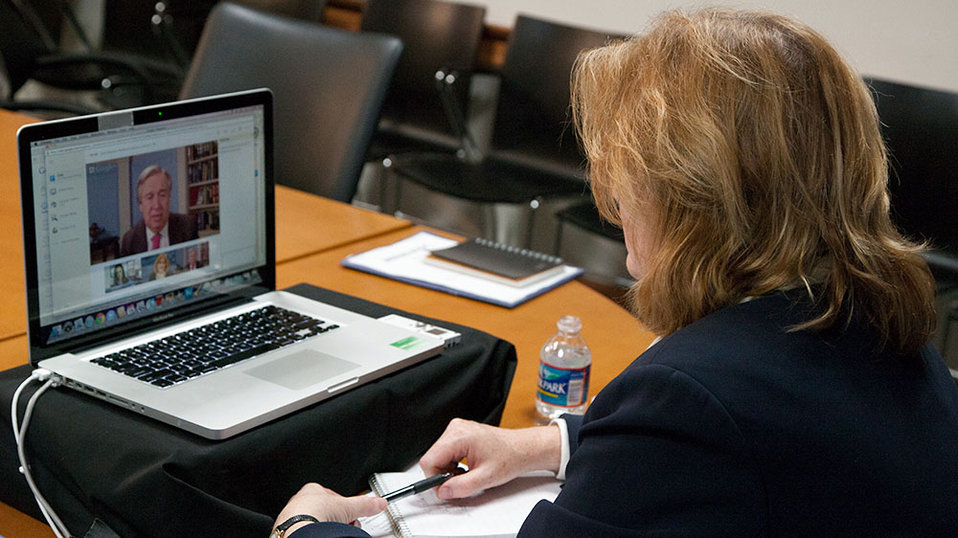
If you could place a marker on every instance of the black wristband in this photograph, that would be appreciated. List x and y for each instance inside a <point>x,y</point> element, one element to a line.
<point>282,527</point>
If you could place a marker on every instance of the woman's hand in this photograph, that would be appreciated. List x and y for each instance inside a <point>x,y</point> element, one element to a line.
<point>494,455</point>
<point>327,505</point>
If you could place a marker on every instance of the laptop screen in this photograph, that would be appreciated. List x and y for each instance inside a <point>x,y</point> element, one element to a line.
<point>137,217</point>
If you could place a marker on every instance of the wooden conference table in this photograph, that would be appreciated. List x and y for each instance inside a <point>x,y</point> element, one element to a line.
<point>313,236</point>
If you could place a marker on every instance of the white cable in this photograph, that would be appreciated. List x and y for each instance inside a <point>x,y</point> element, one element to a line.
<point>48,513</point>
<point>19,433</point>
<point>39,374</point>
<point>14,421</point>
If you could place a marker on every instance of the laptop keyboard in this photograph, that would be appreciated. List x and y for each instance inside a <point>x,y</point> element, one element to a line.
<point>198,351</point>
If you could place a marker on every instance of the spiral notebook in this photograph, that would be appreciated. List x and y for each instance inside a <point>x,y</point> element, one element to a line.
<point>508,264</point>
<point>494,513</point>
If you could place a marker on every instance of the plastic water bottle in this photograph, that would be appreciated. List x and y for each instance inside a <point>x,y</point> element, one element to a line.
<point>564,364</point>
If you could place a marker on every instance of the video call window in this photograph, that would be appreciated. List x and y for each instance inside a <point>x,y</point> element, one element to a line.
<point>122,275</point>
<point>152,201</point>
<point>157,266</point>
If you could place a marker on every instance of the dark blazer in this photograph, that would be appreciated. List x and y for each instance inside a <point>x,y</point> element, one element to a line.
<point>181,228</point>
<point>734,426</point>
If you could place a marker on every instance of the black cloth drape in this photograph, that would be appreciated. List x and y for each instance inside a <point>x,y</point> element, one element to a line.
<point>144,478</point>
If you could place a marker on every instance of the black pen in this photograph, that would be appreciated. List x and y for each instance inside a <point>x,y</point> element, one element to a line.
<point>418,487</point>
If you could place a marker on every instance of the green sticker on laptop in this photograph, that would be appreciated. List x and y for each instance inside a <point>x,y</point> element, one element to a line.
<point>409,342</point>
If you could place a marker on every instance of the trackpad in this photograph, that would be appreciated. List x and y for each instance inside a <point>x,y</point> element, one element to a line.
<point>302,369</point>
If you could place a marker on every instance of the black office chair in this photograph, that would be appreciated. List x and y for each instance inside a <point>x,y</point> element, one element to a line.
<point>30,48</point>
<point>920,128</point>
<point>328,87</point>
<point>438,37</point>
<point>533,165</point>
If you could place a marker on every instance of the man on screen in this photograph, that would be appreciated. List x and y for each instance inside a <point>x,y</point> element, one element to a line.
<point>191,262</point>
<point>158,228</point>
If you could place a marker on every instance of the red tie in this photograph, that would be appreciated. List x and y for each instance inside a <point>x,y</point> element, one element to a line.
<point>156,241</point>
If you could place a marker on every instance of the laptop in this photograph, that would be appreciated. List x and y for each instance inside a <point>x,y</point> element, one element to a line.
<point>150,271</point>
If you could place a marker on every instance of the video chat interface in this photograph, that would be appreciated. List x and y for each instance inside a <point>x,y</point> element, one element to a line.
<point>95,263</point>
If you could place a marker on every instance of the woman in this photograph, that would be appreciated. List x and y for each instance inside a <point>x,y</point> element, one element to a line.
<point>119,275</point>
<point>793,390</point>
<point>161,267</point>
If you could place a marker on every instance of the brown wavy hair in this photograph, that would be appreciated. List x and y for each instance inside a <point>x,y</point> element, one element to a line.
<point>752,152</point>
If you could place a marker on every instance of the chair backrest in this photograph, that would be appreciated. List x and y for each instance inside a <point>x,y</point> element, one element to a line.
<point>435,34</point>
<point>532,117</point>
<point>920,128</point>
<point>328,87</point>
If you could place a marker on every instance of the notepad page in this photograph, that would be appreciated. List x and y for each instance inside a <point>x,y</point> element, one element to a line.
<point>378,526</point>
<point>496,512</point>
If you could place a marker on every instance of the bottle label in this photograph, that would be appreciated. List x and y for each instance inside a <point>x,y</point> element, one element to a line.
<point>563,387</point>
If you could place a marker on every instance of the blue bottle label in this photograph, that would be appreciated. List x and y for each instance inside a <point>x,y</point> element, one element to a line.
<point>563,387</point>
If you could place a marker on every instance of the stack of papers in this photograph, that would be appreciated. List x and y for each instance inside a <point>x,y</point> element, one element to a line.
<point>405,261</point>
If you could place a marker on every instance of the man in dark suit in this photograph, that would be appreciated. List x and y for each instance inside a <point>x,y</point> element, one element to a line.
<point>158,228</point>
<point>191,262</point>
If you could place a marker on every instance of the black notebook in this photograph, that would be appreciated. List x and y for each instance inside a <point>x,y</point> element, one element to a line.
<point>514,264</point>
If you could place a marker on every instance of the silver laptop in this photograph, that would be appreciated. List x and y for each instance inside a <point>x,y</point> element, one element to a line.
<point>150,271</point>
